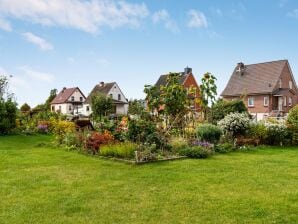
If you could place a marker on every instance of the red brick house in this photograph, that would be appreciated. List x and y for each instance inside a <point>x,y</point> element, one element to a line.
<point>268,89</point>
<point>188,80</point>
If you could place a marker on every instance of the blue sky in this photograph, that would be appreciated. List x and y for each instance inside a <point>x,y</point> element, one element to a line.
<point>48,44</point>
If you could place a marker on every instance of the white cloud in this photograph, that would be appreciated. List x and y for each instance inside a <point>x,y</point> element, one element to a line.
<point>197,19</point>
<point>40,42</point>
<point>34,75</point>
<point>88,16</point>
<point>163,16</point>
<point>5,25</point>
<point>294,13</point>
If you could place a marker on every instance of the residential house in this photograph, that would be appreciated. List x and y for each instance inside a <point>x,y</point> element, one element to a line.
<point>268,89</point>
<point>112,90</point>
<point>188,80</point>
<point>69,101</point>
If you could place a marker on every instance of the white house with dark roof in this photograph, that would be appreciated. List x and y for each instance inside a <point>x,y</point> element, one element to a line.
<point>110,90</point>
<point>69,101</point>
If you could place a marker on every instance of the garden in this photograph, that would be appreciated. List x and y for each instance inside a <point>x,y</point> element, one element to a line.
<point>168,128</point>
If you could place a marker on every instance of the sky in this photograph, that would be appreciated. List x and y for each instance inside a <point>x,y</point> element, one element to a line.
<point>47,44</point>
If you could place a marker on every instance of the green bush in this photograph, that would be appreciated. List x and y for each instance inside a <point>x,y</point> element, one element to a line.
<point>209,133</point>
<point>292,120</point>
<point>235,124</point>
<point>224,148</point>
<point>258,130</point>
<point>125,150</point>
<point>223,107</point>
<point>8,115</point>
<point>144,131</point>
<point>276,134</point>
<point>178,143</point>
<point>197,152</point>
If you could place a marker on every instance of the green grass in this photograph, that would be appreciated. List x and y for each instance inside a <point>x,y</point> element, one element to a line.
<point>48,185</point>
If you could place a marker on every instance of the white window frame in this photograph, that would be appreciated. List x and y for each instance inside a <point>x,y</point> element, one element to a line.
<point>266,101</point>
<point>285,101</point>
<point>290,84</point>
<point>280,83</point>
<point>253,102</point>
<point>290,101</point>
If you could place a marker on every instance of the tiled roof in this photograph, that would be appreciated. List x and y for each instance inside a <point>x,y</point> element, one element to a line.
<point>64,95</point>
<point>162,81</point>
<point>256,78</point>
<point>100,89</point>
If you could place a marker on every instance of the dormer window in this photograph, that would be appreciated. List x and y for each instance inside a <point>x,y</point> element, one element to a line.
<point>72,98</point>
<point>290,84</point>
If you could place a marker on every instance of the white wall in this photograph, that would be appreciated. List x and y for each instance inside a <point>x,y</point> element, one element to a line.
<point>120,109</point>
<point>68,108</point>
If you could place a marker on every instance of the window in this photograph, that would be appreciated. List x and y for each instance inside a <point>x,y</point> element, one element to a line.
<point>69,108</point>
<point>280,83</point>
<point>81,99</point>
<point>285,101</point>
<point>53,108</point>
<point>87,108</point>
<point>290,84</point>
<point>119,96</point>
<point>251,101</point>
<point>60,108</point>
<point>72,98</point>
<point>290,101</point>
<point>111,95</point>
<point>266,101</point>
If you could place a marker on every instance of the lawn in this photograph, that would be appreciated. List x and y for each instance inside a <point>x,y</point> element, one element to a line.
<point>48,185</point>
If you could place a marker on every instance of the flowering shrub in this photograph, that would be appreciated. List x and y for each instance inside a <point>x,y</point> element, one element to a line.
<point>235,124</point>
<point>209,133</point>
<point>61,128</point>
<point>276,134</point>
<point>96,139</point>
<point>43,126</point>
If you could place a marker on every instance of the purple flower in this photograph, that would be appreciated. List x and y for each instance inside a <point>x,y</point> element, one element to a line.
<point>200,143</point>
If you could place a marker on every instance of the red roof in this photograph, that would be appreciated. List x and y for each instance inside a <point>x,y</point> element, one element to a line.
<point>64,95</point>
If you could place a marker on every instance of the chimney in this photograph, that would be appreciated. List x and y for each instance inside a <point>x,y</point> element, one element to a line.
<point>101,84</point>
<point>64,88</point>
<point>187,70</point>
<point>240,68</point>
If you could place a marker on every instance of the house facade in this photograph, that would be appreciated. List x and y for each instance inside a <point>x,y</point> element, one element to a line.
<point>112,90</point>
<point>188,81</point>
<point>267,89</point>
<point>69,101</point>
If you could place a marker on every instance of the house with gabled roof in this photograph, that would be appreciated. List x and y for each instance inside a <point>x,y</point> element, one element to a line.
<point>188,81</point>
<point>268,89</point>
<point>112,90</point>
<point>69,101</point>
